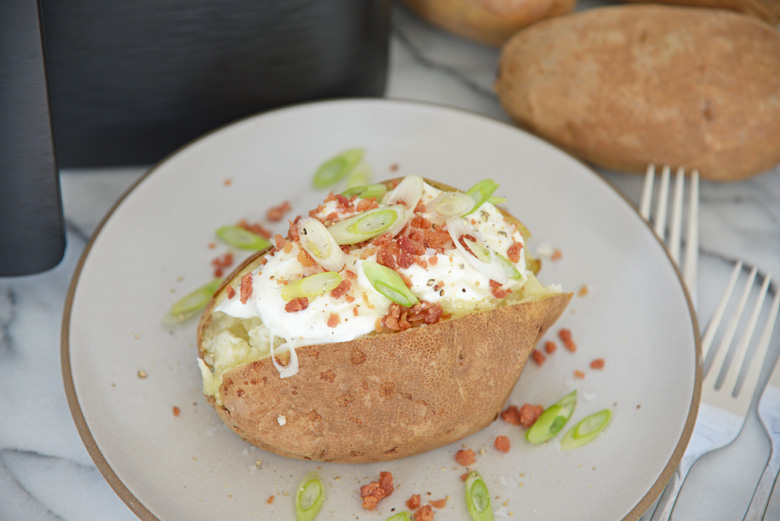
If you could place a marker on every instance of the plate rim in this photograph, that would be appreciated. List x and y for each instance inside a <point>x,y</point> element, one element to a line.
<point>123,491</point>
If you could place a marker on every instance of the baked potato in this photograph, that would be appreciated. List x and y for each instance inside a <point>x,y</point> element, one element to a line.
<point>766,10</point>
<point>388,377</point>
<point>488,21</point>
<point>629,85</point>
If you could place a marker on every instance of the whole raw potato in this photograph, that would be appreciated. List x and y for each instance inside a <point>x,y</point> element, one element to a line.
<point>488,21</point>
<point>630,85</point>
<point>767,10</point>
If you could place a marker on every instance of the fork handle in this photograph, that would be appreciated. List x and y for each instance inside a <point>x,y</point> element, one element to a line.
<point>757,509</point>
<point>663,512</point>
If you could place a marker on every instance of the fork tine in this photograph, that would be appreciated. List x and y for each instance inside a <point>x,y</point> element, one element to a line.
<point>723,348</point>
<point>676,226</point>
<point>661,203</point>
<point>709,335</point>
<point>692,238</point>
<point>647,192</point>
<point>730,381</point>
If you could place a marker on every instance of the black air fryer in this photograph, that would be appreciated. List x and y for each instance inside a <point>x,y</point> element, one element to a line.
<point>129,82</point>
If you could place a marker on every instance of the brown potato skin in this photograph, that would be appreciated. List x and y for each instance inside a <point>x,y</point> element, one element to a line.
<point>766,10</point>
<point>487,21</point>
<point>630,85</point>
<point>388,396</point>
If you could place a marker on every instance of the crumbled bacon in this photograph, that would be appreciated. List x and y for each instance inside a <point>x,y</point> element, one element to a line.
<point>385,258</point>
<point>230,292</point>
<point>410,246</point>
<point>418,221</point>
<point>221,263</point>
<point>246,288</point>
<point>405,260</point>
<point>420,207</point>
<point>502,443</point>
<point>377,490</point>
<point>511,415</point>
<point>529,414</point>
<point>341,289</point>
<point>439,503</point>
<point>465,457</point>
<point>550,347</point>
<point>256,228</point>
<point>556,255</point>
<point>425,513</point>
<point>305,259</point>
<point>598,363</point>
<point>568,342</point>
<point>276,213</point>
<point>513,253</point>
<point>400,318</point>
<point>333,320</point>
<point>538,357</point>
<point>292,232</point>
<point>413,503</point>
<point>366,204</point>
<point>578,374</point>
<point>350,274</point>
<point>343,202</point>
<point>497,291</point>
<point>296,304</point>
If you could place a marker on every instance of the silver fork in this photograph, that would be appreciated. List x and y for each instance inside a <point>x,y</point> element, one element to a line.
<point>723,408</point>
<point>769,414</point>
<point>675,228</point>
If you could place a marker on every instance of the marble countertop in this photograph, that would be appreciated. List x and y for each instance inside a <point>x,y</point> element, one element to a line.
<point>47,474</point>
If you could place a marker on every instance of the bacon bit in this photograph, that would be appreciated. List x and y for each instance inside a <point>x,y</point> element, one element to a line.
<point>331,197</point>
<point>227,182</point>
<point>350,299</point>
<point>333,320</point>
<point>382,240</point>
<point>462,241</point>
<point>296,304</point>
<point>502,443</point>
<point>230,292</point>
<point>464,476</point>
<point>550,347</point>
<point>292,231</point>
<point>246,287</point>
<point>315,211</point>
<point>529,414</point>
<point>598,363</point>
<point>343,202</point>
<point>221,263</point>
<point>568,342</point>
<point>411,246</point>
<point>497,291</point>
<point>513,253</point>
<point>367,253</point>
<point>377,490</point>
<point>270,500</point>
<point>579,374</point>
<point>421,262</point>
<point>406,280</point>
<point>465,457</point>
<point>583,292</point>
<point>276,213</point>
<point>424,514</point>
<point>433,261</point>
<point>413,503</point>
<point>556,255</point>
<point>378,325</point>
<point>405,260</point>
<point>280,241</point>
<point>439,503</point>
<point>511,415</point>
<point>385,258</point>
<point>176,411</point>
<point>306,260</point>
<point>256,228</point>
<point>420,222</point>
<point>341,289</point>
<point>212,245</point>
<point>330,218</point>
<point>394,167</point>
<point>350,274</point>
<point>570,345</point>
<point>355,310</point>
<point>420,207</point>
<point>288,246</point>
<point>366,204</point>
<point>538,357</point>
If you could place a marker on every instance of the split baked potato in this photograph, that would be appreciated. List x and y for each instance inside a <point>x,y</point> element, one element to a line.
<point>424,375</point>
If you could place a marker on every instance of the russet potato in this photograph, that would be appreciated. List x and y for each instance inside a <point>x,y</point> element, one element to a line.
<point>767,10</point>
<point>630,85</point>
<point>385,395</point>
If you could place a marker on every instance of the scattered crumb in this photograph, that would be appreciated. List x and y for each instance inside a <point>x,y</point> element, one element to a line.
<point>538,357</point>
<point>413,503</point>
<point>176,411</point>
<point>228,182</point>
<point>270,499</point>
<point>639,406</point>
<point>259,463</point>
<point>425,513</point>
<point>439,503</point>
<point>394,167</point>
<point>578,374</point>
<point>142,374</point>
<point>377,490</point>
<point>281,420</point>
<point>556,255</point>
<point>502,443</point>
<point>583,291</point>
<point>276,213</point>
<point>550,347</point>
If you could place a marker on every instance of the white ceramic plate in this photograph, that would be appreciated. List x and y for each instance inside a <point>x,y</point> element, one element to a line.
<point>154,247</point>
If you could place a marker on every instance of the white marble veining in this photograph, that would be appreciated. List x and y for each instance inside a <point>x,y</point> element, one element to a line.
<point>45,471</point>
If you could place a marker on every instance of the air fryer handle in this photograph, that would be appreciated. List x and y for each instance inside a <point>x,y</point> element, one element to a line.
<point>32,237</point>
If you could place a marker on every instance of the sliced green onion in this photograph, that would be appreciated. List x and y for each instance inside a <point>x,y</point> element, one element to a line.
<point>481,258</point>
<point>241,238</point>
<point>478,498</point>
<point>337,168</point>
<point>408,193</point>
<point>496,200</point>
<point>312,285</point>
<point>367,225</point>
<point>552,419</point>
<point>191,304</point>
<point>320,244</point>
<point>481,191</point>
<point>452,203</point>
<point>401,516</point>
<point>389,283</point>
<point>586,430</point>
<point>309,498</point>
<point>359,176</point>
<point>511,269</point>
<point>366,191</point>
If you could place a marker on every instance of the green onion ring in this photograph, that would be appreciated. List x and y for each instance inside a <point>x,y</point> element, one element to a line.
<point>586,430</point>
<point>552,419</point>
